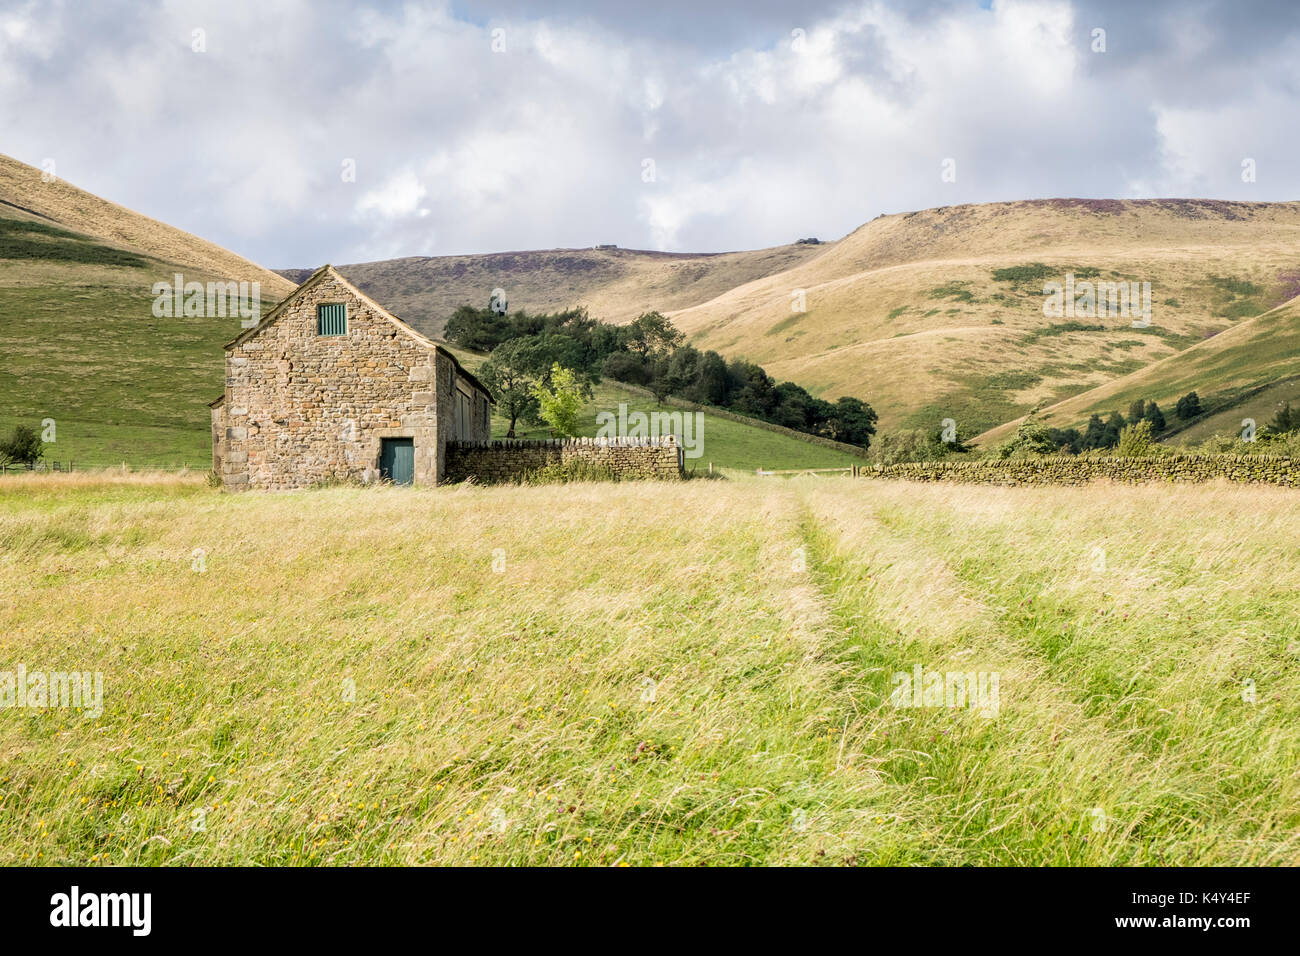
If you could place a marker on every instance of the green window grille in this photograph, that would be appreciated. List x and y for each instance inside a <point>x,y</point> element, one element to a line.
<point>332,319</point>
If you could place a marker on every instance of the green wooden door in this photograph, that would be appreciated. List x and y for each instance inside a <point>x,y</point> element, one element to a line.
<point>397,460</point>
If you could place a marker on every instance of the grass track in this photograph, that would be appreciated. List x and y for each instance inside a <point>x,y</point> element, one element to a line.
<point>659,673</point>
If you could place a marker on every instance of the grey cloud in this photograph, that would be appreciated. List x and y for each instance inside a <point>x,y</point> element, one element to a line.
<point>460,149</point>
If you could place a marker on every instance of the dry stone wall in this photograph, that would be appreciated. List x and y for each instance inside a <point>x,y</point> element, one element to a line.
<point>508,460</point>
<point>1080,471</point>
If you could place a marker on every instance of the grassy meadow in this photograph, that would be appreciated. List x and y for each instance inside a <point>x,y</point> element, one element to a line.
<point>650,673</point>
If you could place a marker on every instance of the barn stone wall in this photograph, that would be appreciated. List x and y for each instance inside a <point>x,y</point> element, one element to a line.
<point>302,408</point>
<point>218,436</point>
<point>1260,469</point>
<point>509,460</point>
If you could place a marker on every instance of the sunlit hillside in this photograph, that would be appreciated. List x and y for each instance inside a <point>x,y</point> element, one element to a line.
<point>58,202</point>
<point>912,313</point>
<point>1249,369</point>
<point>81,345</point>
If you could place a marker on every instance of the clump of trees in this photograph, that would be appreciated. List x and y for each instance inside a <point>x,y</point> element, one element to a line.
<point>918,444</point>
<point>1188,407</point>
<point>1101,434</point>
<point>22,447</point>
<point>524,351</point>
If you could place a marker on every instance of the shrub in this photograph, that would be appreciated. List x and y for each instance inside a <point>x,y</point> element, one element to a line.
<point>560,402</point>
<point>907,445</point>
<point>1033,272</point>
<point>1230,444</point>
<point>1031,438</point>
<point>574,470</point>
<point>1135,440</point>
<point>1188,407</point>
<point>1284,420</point>
<point>952,290</point>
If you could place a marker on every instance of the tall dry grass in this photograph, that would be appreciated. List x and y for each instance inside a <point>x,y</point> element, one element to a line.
<point>648,673</point>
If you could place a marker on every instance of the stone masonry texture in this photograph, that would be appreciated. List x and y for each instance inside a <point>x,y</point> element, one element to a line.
<point>302,408</point>
<point>1260,469</point>
<point>491,462</point>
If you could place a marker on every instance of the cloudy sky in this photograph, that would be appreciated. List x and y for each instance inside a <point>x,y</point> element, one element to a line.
<point>297,132</point>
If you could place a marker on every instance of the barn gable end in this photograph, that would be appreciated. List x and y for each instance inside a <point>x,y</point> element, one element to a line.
<point>329,385</point>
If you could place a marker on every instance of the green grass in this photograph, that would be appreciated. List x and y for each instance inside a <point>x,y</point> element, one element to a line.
<point>952,290</point>
<point>1235,298</point>
<point>22,239</point>
<point>1037,272</point>
<point>686,673</point>
<point>1226,370</point>
<point>82,346</point>
<point>978,402</point>
<point>1225,411</point>
<point>1060,328</point>
<point>1033,272</point>
<point>726,443</point>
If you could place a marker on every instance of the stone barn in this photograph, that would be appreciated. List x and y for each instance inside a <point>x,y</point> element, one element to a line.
<point>332,386</point>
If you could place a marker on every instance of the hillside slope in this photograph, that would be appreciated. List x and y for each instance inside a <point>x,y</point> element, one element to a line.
<point>616,285</point>
<point>1249,368</point>
<point>80,342</point>
<point>81,345</point>
<point>712,440</point>
<point>927,315</point>
<point>58,202</point>
<point>911,312</point>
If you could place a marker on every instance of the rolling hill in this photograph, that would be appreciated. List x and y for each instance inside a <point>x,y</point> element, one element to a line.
<point>614,284</point>
<point>61,204</point>
<point>939,313</point>
<point>81,345</point>
<point>1247,371</point>
<point>927,315</point>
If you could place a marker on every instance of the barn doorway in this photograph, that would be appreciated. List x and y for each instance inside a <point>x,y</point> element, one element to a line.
<point>397,460</point>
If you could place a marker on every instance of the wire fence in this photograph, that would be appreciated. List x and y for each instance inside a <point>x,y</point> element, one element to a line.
<point>64,467</point>
<point>850,472</point>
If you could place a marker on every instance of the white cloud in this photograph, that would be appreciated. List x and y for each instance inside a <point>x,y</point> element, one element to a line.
<point>755,142</point>
<point>400,196</point>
